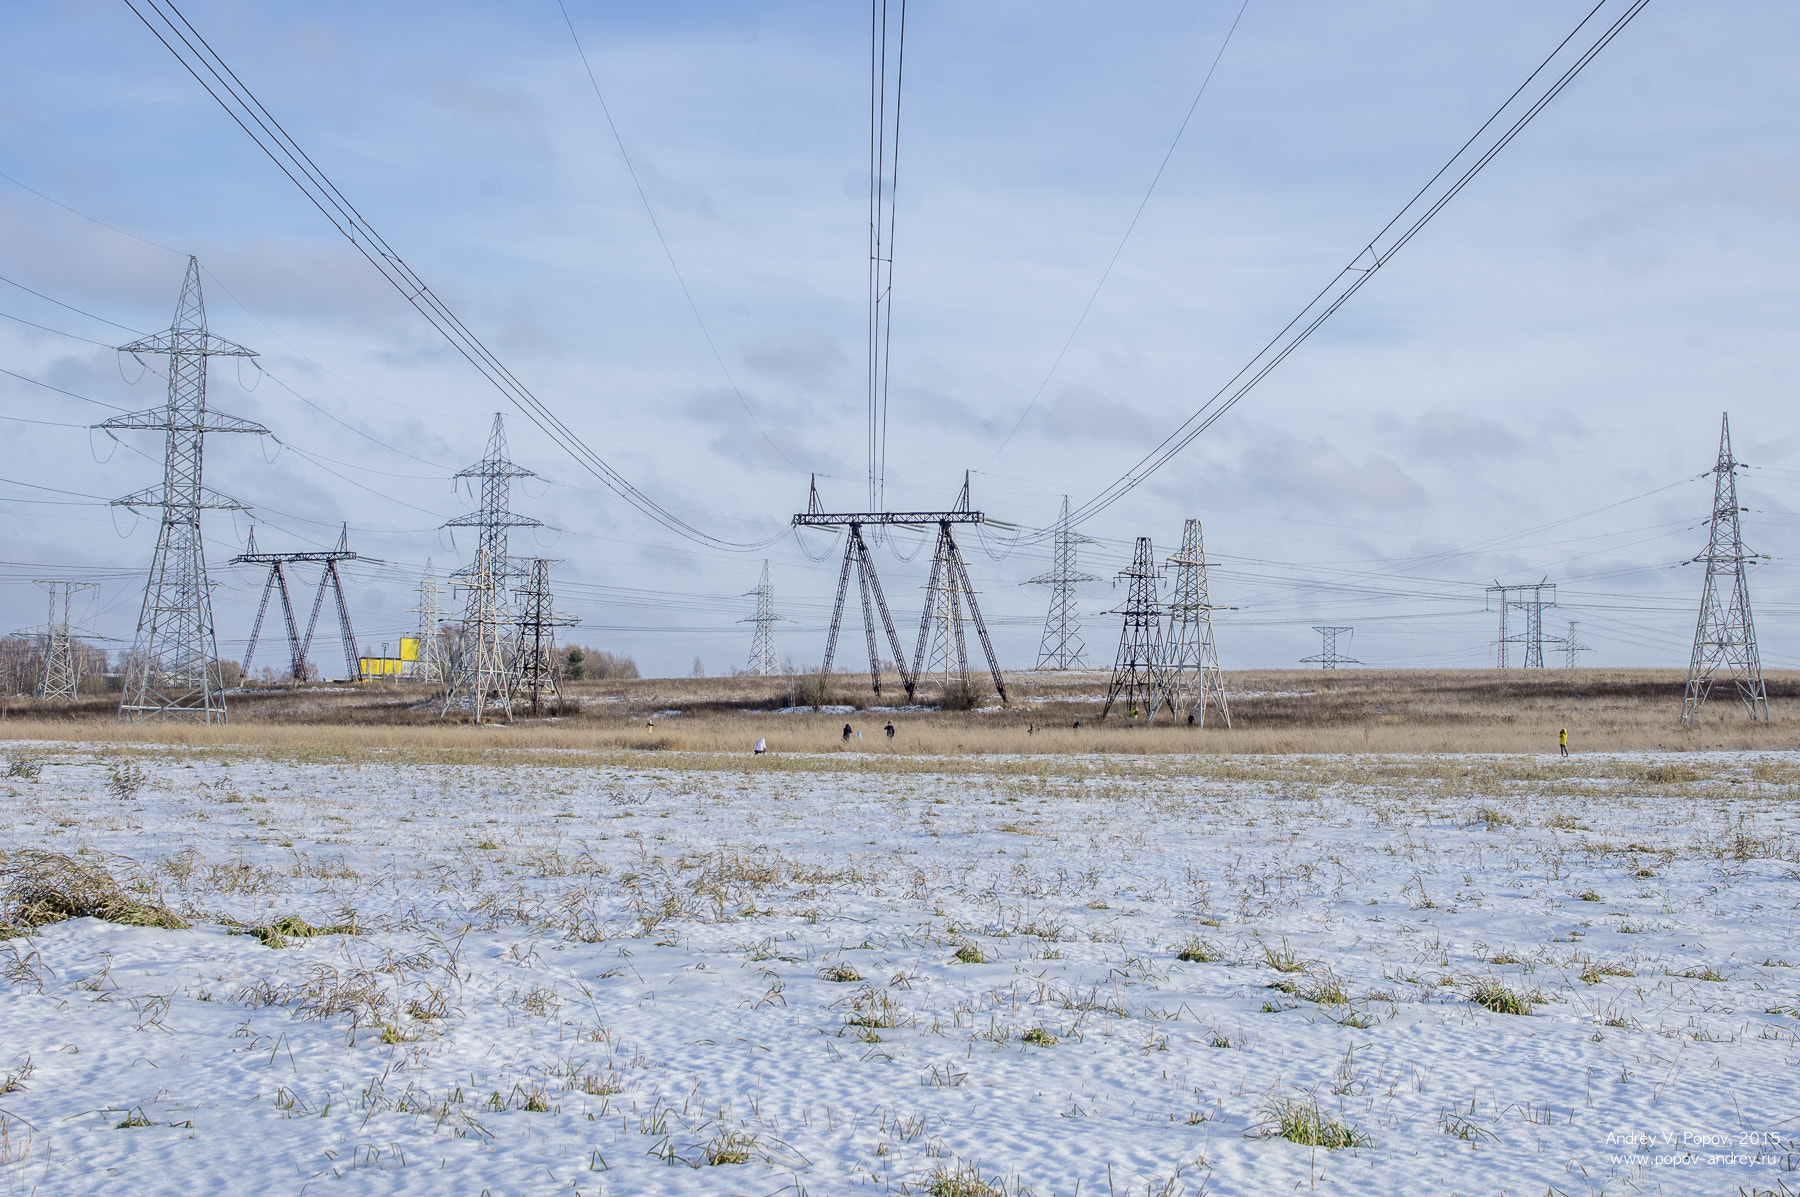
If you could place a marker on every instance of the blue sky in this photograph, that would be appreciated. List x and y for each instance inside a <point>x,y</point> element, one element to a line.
<point>1561,339</point>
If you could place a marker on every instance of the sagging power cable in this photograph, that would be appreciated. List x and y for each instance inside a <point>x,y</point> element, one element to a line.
<point>178,35</point>
<point>1542,86</point>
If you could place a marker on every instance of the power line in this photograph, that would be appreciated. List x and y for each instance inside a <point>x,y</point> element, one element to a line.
<point>209,69</point>
<point>1393,237</point>
<point>664,241</point>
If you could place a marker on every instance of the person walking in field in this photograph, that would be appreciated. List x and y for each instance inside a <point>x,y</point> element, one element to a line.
<point>890,729</point>
<point>848,732</point>
<point>1562,741</point>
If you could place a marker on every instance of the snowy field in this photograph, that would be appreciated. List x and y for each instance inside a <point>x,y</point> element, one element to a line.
<point>710,976</point>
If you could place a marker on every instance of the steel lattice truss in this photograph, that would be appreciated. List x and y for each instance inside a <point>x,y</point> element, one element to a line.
<point>1062,646</point>
<point>1328,657</point>
<point>61,677</point>
<point>536,667</point>
<point>173,672</point>
<point>1189,676</point>
<point>481,676</point>
<point>432,666</point>
<point>763,662</point>
<point>1140,640</point>
<point>300,647</point>
<point>1528,598</point>
<point>1725,636</point>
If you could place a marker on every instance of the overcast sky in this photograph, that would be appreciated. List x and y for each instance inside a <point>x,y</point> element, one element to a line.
<point>1561,339</point>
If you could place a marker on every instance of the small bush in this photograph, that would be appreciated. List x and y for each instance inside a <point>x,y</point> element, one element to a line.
<point>1300,1120</point>
<point>961,694</point>
<point>1500,999</point>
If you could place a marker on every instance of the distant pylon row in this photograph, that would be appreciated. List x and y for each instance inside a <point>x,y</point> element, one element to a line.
<point>1167,655</point>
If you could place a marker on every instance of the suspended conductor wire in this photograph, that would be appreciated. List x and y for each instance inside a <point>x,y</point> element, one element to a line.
<point>1405,225</point>
<point>884,183</point>
<point>200,60</point>
<point>1114,260</point>
<point>664,241</point>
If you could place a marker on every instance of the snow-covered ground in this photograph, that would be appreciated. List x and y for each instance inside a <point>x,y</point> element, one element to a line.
<point>595,979</point>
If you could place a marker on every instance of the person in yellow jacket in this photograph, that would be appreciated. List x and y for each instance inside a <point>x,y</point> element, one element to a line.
<point>1562,741</point>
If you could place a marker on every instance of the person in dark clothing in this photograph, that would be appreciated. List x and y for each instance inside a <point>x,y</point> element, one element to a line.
<point>1078,725</point>
<point>890,729</point>
<point>848,732</point>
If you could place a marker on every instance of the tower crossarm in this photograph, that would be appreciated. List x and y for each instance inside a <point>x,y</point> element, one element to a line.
<point>159,419</point>
<point>188,340</point>
<point>155,496</point>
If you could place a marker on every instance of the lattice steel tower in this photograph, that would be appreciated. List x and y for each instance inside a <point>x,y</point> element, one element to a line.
<point>1140,640</point>
<point>62,668</point>
<point>1528,598</point>
<point>481,677</point>
<point>173,672</point>
<point>536,667</point>
<point>1062,646</point>
<point>1189,675</point>
<point>763,662</point>
<point>432,665</point>
<point>1725,636</point>
<point>948,593</point>
<point>1328,655</point>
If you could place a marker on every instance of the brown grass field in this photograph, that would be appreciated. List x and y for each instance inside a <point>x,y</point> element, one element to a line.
<point>1273,712</point>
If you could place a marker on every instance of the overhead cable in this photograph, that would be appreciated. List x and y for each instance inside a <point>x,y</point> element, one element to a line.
<point>166,22</point>
<point>1541,87</point>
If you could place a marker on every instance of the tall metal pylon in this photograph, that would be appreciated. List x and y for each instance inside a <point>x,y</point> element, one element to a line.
<point>1725,635</point>
<point>947,593</point>
<point>62,668</point>
<point>432,665</point>
<point>1189,675</point>
<point>1140,640</point>
<point>1572,647</point>
<point>173,671</point>
<point>481,677</point>
<point>1328,655</point>
<point>299,647</point>
<point>537,669</point>
<point>1529,599</point>
<point>763,662</point>
<point>1062,646</point>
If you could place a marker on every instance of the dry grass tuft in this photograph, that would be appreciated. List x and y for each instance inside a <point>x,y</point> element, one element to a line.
<point>965,1181</point>
<point>48,887</point>
<point>1501,1000</point>
<point>1300,1120</point>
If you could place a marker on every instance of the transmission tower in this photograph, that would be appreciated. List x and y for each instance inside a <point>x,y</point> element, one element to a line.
<point>481,677</point>
<point>1529,599</point>
<point>536,667</point>
<point>1572,647</point>
<point>1189,675</point>
<point>946,594</point>
<point>300,648</point>
<point>173,672</point>
<point>62,668</point>
<point>431,666</point>
<point>763,662</point>
<point>1140,640</point>
<point>1062,646</point>
<point>1328,655</point>
<point>1725,636</point>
